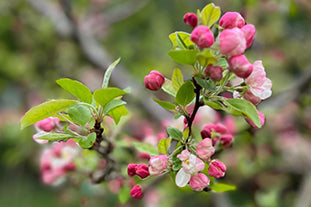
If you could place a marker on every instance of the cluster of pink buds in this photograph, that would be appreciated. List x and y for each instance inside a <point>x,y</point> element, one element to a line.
<point>43,127</point>
<point>57,160</point>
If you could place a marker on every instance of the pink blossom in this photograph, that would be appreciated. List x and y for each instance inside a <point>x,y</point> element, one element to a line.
<point>240,66</point>
<point>142,171</point>
<point>217,169</point>
<point>232,42</point>
<point>226,140</point>
<point>205,149</point>
<point>202,36</point>
<point>115,185</point>
<point>136,192</point>
<point>215,72</point>
<point>209,128</point>
<point>261,118</point>
<point>231,19</point>
<point>249,33</point>
<point>36,137</point>
<point>131,169</point>
<point>199,181</point>
<point>154,80</point>
<point>47,124</point>
<point>157,164</point>
<point>190,19</point>
<point>248,95</point>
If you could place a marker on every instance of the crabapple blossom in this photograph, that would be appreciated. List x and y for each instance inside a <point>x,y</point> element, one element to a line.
<point>261,118</point>
<point>240,66</point>
<point>157,164</point>
<point>214,72</point>
<point>136,192</point>
<point>191,19</point>
<point>205,149</point>
<point>217,169</point>
<point>47,124</point>
<point>142,171</point>
<point>231,19</point>
<point>226,140</point>
<point>154,80</point>
<point>232,42</point>
<point>199,181</point>
<point>131,169</point>
<point>248,95</point>
<point>249,33</point>
<point>202,36</point>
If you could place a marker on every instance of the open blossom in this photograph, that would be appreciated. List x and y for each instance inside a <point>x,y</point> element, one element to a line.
<point>259,85</point>
<point>199,181</point>
<point>202,36</point>
<point>217,169</point>
<point>232,42</point>
<point>190,166</point>
<point>154,80</point>
<point>231,19</point>
<point>157,164</point>
<point>205,149</point>
<point>136,192</point>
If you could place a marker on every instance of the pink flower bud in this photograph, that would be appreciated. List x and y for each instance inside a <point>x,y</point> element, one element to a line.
<point>142,171</point>
<point>261,118</point>
<point>226,140</point>
<point>240,66</point>
<point>217,169</point>
<point>231,19</point>
<point>205,149</point>
<point>69,167</point>
<point>232,42</point>
<point>47,124</point>
<point>202,36</point>
<point>249,33</point>
<point>199,181</point>
<point>248,95</point>
<point>215,72</point>
<point>136,192</point>
<point>191,19</point>
<point>131,169</point>
<point>157,164</point>
<point>207,130</point>
<point>221,129</point>
<point>154,80</point>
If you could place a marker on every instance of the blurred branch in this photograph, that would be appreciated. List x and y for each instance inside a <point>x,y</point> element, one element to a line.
<point>95,53</point>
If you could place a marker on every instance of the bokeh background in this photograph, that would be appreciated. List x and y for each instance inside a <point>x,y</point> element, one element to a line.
<point>44,40</point>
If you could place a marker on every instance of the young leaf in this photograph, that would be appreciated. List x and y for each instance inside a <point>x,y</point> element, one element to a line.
<point>108,73</point>
<point>164,104</point>
<point>177,79</point>
<point>164,145</point>
<point>77,89</point>
<point>112,105</point>
<point>207,84</point>
<point>46,110</point>
<point>206,57</point>
<point>187,57</point>
<point>222,62</point>
<point>146,147</point>
<point>185,94</point>
<point>168,87</point>
<point>214,104</point>
<point>174,133</point>
<point>87,142</point>
<point>105,95</point>
<point>246,108</point>
<point>210,14</point>
<point>124,194</point>
<point>55,136</point>
<point>117,113</point>
<point>183,36</point>
<point>80,114</point>
<point>222,187</point>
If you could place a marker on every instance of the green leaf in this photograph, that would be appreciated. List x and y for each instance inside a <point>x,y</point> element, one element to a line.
<point>187,57</point>
<point>206,57</point>
<point>164,145</point>
<point>54,136</point>
<point>112,105</point>
<point>222,187</point>
<point>146,147</point>
<point>117,113</point>
<point>177,79</point>
<point>210,14</point>
<point>168,87</point>
<point>174,133</point>
<point>183,38</point>
<point>164,104</point>
<point>207,84</point>
<point>246,108</point>
<point>87,142</point>
<point>76,88</point>
<point>80,114</point>
<point>222,62</point>
<point>108,73</point>
<point>124,194</point>
<point>185,94</point>
<point>105,95</point>
<point>45,110</point>
<point>214,104</point>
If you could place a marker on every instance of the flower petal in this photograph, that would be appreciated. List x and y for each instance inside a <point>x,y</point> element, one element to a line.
<point>182,178</point>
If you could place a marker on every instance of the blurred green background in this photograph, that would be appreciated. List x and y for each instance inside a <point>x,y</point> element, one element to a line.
<point>270,168</point>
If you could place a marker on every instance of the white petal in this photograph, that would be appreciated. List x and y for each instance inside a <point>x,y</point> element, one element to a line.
<point>182,178</point>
